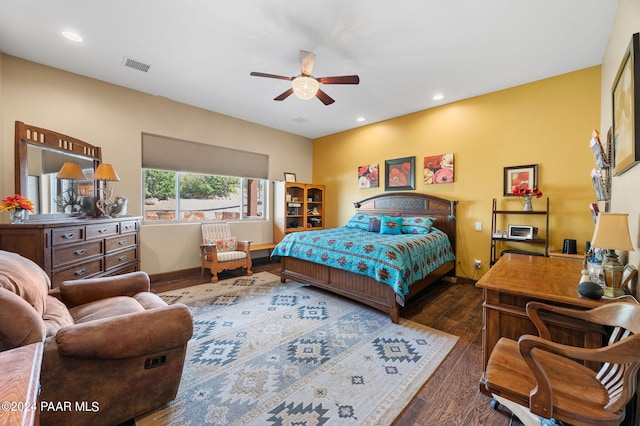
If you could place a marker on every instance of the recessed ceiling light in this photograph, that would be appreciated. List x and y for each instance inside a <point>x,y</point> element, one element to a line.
<point>360,119</point>
<point>438,96</point>
<point>70,35</point>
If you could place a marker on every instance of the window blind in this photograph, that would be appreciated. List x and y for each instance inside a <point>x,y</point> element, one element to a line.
<point>165,153</point>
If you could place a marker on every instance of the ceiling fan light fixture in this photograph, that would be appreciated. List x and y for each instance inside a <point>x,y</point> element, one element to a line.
<point>304,87</point>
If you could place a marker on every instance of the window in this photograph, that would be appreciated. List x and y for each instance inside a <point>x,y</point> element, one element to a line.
<point>186,197</point>
<point>190,181</point>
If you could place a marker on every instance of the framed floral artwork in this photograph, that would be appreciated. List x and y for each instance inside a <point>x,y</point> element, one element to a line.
<point>289,177</point>
<point>626,109</point>
<point>522,177</point>
<point>400,174</point>
<point>368,176</point>
<point>438,169</point>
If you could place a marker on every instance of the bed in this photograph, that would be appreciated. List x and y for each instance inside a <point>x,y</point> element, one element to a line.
<point>357,285</point>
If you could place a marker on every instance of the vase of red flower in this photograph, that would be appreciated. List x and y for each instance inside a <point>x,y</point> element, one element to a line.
<point>527,195</point>
<point>18,208</point>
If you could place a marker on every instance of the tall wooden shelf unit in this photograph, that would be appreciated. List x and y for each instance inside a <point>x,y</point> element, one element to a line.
<point>298,207</point>
<point>499,243</point>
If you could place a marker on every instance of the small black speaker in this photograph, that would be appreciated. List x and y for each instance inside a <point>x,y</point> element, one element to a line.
<point>569,247</point>
<point>590,290</point>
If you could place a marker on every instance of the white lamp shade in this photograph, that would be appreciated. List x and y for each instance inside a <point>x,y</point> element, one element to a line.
<point>612,232</point>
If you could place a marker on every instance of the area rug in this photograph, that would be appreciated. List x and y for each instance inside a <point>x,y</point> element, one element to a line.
<point>267,353</point>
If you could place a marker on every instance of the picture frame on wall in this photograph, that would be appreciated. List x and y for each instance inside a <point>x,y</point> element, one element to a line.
<point>400,174</point>
<point>625,98</point>
<point>368,176</point>
<point>438,169</point>
<point>522,176</point>
<point>289,177</point>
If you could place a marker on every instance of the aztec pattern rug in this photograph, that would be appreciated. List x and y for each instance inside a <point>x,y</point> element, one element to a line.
<point>267,353</point>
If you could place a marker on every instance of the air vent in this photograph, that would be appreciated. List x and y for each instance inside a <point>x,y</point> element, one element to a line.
<point>136,65</point>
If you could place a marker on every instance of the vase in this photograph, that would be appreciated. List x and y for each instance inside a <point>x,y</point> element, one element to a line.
<point>18,215</point>
<point>528,207</point>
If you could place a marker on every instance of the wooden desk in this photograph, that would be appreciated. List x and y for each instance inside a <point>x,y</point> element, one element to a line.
<point>516,280</point>
<point>19,385</point>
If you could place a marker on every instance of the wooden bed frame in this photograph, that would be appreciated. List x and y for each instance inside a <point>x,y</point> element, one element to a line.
<point>365,289</point>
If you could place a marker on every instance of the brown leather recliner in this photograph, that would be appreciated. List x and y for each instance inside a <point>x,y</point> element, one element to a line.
<point>112,349</point>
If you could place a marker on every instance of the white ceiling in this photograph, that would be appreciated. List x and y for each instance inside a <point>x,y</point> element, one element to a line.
<point>202,51</point>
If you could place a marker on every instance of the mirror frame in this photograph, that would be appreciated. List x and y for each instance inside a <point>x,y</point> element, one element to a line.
<point>26,134</point>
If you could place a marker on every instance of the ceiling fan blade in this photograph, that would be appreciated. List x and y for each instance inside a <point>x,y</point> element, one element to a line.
<point>343,79</point>
<point>283,95</point>
<point>307,59</point>
<point>261,74</point>
<point>326,99</point>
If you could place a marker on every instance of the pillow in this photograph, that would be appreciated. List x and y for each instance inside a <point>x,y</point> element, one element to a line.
<point>374,224</point>
<point>359,221</point>
<point>223,244</point>
<point>391,225</point>
<point>417,224</point>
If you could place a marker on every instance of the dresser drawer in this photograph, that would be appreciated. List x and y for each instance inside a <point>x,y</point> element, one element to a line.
<point>62,236</point>
<point>84,270</point>
<point>120,242</point>
<point>128,226</point>
<point>102,230</point>
<point>120,258</point>
<point>63,255</point>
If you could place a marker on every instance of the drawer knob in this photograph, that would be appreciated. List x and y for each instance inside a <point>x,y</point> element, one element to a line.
<point>122,242</point>
<point>80,271</point>
<point>122,258</point>
<point>81,251</point>
<point>102,231</point>
<point>68,235</point>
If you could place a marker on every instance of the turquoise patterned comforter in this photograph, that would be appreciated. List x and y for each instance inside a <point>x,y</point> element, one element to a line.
<point>396,260</point>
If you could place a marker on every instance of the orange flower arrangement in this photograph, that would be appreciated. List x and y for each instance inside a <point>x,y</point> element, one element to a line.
<point>16,202</point>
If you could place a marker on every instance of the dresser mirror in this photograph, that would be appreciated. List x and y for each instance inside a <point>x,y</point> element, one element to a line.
<point>39,156</point>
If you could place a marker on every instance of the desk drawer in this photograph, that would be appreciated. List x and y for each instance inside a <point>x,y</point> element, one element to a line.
<point>120,258</point>
<point>120,242</point>
<point>64,236</point>
<point>84,270</point>
<point>102,230</point>
<point>64,255</point>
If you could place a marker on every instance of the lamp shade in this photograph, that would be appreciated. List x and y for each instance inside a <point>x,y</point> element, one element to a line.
<point>305,87</point>
<point>106,172</point>
<point>71,171</point>
<point>612,232</point>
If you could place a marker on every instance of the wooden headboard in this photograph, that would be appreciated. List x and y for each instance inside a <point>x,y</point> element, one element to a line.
<point>414,204</point>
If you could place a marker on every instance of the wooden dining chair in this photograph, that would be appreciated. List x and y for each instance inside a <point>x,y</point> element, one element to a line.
<point>538,377</point>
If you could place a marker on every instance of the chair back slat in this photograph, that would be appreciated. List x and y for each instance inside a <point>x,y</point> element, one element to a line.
<point>215,230</point>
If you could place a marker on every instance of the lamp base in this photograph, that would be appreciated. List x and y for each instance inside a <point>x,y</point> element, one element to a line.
<point>613,292</point>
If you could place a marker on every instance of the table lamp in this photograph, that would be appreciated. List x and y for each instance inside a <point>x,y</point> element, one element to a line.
<point>611,234</point>
<point>105,173</point>
<point>73,172</point>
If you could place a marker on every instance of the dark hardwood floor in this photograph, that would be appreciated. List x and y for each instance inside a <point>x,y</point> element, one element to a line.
<point>451,396</point>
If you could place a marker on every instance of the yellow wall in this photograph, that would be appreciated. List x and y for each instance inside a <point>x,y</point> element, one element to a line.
<point>548,123</point>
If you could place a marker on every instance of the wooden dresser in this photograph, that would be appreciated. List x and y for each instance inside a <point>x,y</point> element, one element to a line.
<point>69,249</point>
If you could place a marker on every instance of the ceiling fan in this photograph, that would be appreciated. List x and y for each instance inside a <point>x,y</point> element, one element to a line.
<point>306,86</point>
